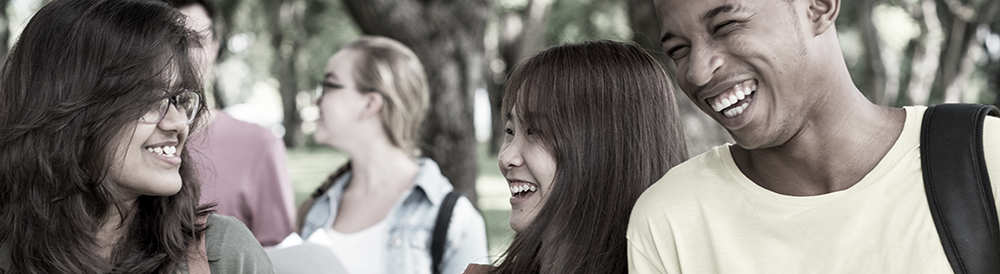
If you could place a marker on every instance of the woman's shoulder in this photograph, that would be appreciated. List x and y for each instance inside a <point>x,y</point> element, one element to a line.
<point>226,232</point>
<point>232,248</point>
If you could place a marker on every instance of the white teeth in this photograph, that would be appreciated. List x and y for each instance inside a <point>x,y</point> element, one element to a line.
<point>733,112</point>
<point>727,101</point>
<point>169,151</point>
<point>515,189</point>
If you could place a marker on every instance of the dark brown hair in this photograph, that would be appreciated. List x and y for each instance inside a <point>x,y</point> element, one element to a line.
<point>606,112</point>
<point>76,82</point>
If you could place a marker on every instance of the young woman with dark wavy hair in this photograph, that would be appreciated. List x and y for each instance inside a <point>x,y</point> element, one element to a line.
<point>97,99</point>
<point>589,127</point>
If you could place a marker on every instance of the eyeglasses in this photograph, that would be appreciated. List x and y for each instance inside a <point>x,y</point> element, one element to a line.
<point>186,102</point>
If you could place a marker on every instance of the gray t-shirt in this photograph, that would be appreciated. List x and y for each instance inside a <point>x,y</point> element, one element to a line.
<point>230,246</point>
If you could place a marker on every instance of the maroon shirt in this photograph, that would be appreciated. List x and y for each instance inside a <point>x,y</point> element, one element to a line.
<point>243,169</point>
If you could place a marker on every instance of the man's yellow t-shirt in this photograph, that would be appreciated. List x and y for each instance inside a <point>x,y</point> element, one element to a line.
<point>705,216</point>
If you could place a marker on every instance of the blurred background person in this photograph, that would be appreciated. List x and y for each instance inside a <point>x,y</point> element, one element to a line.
<point>97,100</point>
<point>242,166</point>
<point>589,126</point>
<point>379,209</point>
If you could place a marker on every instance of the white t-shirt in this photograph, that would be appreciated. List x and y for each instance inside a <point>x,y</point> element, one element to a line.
<point>362,252</point>
<point>705,216</point>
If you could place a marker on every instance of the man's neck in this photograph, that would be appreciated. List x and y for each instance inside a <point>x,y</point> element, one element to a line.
<point>831,153</point>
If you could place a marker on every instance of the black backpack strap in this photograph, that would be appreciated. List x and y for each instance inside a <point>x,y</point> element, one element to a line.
<point>440,235</point>
<point>958,186</point>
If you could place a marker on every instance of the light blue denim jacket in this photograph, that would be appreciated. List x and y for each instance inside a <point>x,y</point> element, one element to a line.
<point>411,222</point>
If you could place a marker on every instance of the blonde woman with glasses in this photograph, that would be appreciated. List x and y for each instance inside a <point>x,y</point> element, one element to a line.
<point>379,209</point>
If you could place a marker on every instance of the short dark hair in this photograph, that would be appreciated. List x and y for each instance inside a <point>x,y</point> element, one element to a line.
<point>77,80</point>
<point>606,111</point>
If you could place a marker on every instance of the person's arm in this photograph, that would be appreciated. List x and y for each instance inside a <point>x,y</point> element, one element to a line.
<point>273,211</point>
<point>232,248</point>
<point>466,239</point>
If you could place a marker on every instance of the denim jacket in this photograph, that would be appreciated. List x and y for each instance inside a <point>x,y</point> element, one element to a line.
<point>411,222</point>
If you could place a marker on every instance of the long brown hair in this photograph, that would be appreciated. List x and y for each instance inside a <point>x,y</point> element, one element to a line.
<point>78,79</point>
<point>606,112</point>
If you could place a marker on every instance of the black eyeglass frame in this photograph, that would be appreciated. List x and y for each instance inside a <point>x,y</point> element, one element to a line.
<point>172,100</point>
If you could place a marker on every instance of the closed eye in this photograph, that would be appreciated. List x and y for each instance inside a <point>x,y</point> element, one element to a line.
<point>725,27</point>
<point>677,52</point>
<point>331,85</point>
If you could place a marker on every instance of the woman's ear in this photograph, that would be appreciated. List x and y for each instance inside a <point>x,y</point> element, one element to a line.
<point>373,106</point>
<point>823,14</point>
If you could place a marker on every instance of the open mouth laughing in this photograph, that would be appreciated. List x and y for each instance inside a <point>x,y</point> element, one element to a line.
<point>522,189</point>
<point>733,101</point>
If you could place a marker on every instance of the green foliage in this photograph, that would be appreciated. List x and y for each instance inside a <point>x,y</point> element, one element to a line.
<point>327,26</point>
<point>581,20</point>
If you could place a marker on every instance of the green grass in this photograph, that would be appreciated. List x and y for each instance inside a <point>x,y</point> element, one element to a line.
<point>309,166</point>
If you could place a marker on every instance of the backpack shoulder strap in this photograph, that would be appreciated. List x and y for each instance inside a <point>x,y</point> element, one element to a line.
<point>958,186</point>
<point>440,234</point>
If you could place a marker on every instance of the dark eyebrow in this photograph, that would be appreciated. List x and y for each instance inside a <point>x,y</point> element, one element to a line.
<point>666,36</point>
<point>719,10</point>
<point>708,16</point>
<point>329,75</point>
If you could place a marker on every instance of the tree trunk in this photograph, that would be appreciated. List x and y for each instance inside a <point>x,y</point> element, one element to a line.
<point>284,18</point>
<point>521,34</point>
<point>4,30</point>
<point>701,132</point>
<point>873,53</point>
<point>964,19</point>
<point>926,55</point>
<point>448,36</point>
<point>224,22</point>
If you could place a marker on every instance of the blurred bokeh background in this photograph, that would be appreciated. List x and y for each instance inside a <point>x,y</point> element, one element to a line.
<point>900,52</point>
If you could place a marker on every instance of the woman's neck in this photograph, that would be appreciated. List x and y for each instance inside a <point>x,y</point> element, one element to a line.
<point>112,230</point>
<point>381,167</point>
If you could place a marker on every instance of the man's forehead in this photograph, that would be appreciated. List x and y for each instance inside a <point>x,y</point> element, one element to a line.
<point>672,13</point>
<point>697,9</point>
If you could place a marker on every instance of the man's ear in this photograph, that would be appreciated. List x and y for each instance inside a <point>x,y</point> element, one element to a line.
<point>373,106</point>
<point>823,14</point>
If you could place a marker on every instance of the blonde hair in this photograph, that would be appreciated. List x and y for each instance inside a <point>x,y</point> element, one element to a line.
<point>390,68</point>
